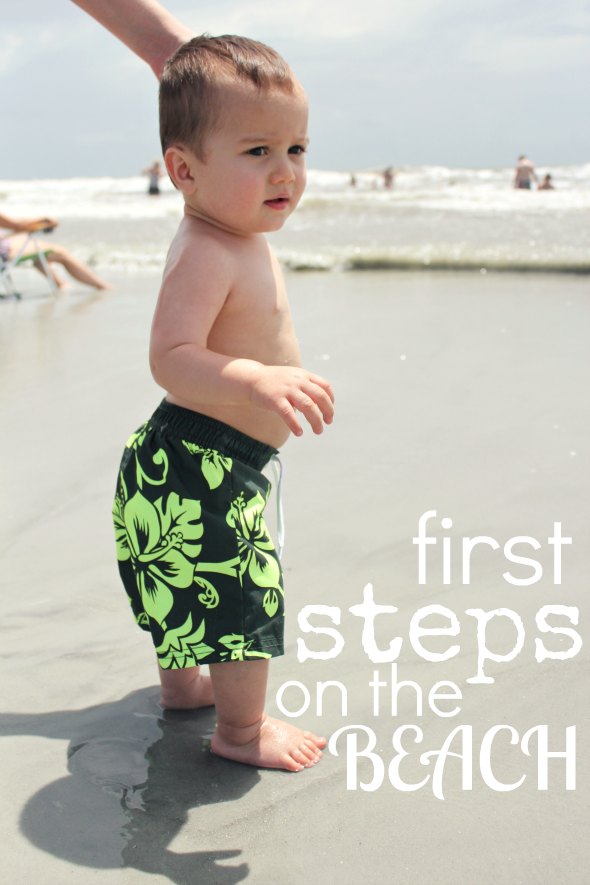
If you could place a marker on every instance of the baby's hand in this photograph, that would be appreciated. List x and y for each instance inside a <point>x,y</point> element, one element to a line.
<point>285,389</point>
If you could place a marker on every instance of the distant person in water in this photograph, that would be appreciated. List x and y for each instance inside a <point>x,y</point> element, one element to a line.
<point>388,178</point>
<point>15,243</point>
<point>155,173</point>
<point>524,174</point>
<point>547,183</point>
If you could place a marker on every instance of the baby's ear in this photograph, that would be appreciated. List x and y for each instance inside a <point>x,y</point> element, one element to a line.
<point>179,165</point>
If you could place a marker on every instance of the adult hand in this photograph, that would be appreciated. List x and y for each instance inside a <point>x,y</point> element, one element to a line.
<point>44,224</point>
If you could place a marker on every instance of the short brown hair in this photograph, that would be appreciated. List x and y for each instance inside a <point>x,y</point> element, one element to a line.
<point>192,80</point>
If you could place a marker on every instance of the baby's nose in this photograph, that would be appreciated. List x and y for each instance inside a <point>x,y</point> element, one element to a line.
<point>283,171</point>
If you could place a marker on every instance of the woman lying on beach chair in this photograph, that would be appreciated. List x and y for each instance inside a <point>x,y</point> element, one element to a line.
<point>22,245</point>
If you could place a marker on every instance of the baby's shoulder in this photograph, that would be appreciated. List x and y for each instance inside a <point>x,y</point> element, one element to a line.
<point>197,249</point>
<point>194,235</point>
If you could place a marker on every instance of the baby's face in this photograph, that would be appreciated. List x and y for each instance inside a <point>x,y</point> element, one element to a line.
<point>253,170</point>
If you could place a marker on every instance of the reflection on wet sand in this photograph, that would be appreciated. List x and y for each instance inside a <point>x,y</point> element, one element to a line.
<point>135,774</point>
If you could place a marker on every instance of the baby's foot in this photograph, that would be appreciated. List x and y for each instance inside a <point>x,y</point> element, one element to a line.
<point>269,744</point>
<point>188,692</point>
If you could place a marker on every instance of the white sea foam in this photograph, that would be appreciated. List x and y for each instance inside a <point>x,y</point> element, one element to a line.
<point>434,216</point>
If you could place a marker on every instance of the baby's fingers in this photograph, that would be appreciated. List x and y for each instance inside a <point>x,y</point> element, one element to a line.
<point>287,413</point>
<point>324,399</point>
<point>325,385</point>
<point>309,409</point>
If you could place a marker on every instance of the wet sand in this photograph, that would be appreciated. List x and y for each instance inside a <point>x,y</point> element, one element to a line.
<point>462,394</point>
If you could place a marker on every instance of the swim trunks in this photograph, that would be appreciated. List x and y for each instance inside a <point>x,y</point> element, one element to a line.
<point>193,549</point>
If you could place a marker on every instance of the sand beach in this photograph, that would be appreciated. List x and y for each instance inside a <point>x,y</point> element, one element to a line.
<point>463,394</point>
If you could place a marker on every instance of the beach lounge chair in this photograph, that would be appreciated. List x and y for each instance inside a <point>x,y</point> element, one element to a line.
<point>8,288</point>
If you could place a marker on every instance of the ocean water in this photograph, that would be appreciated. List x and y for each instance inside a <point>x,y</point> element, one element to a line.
<point>434,218</point>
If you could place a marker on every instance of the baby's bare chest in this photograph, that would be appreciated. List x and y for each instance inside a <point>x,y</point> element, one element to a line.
<point>255,321</point>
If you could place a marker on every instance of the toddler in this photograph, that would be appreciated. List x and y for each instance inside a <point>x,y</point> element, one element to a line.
<point>194,553</point>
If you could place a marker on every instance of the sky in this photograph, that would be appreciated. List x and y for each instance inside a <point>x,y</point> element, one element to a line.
<point>457,83</point>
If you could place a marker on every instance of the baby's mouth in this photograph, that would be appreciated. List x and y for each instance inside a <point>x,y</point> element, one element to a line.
<point>277,202</point>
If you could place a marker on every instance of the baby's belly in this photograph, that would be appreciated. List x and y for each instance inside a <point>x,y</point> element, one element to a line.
<point>260,424</point>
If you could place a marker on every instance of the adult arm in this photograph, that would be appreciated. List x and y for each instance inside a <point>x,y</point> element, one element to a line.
<point>144,26</point>
<point>20,225</point>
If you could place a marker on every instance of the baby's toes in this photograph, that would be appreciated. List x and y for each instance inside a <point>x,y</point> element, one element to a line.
<point>318,742</point>
<point>311,750</point>
<point>298,760</point>
<point>309,753</point>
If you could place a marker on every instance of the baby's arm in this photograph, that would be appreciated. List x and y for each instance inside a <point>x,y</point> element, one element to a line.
<point>194,290</point>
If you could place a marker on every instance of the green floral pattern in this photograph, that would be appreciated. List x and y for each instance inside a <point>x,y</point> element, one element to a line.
<point>238,649</point>
<point>183,645</point>
<point>159,460</point>
<point>194,552</point>
<point>159,540</point>
<point>213,464</point>
<point>254,548</point>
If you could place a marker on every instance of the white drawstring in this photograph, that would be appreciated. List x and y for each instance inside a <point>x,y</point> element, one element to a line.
<point>279,470</point>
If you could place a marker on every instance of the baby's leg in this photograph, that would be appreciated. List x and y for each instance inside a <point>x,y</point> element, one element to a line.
<point>245,733</point>
<point>186,689</point>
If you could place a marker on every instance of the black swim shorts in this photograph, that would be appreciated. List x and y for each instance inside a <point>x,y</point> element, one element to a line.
<point>194,552</point>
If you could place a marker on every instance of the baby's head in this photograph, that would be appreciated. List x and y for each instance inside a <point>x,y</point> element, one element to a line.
<point>196,77</point>
<point>233,125</point>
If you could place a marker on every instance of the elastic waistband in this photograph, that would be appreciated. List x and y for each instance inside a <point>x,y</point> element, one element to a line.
<point>211,434</point>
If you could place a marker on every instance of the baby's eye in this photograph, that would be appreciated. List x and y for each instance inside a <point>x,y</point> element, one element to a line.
<point>258,151</point>
<point>297,149</point>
